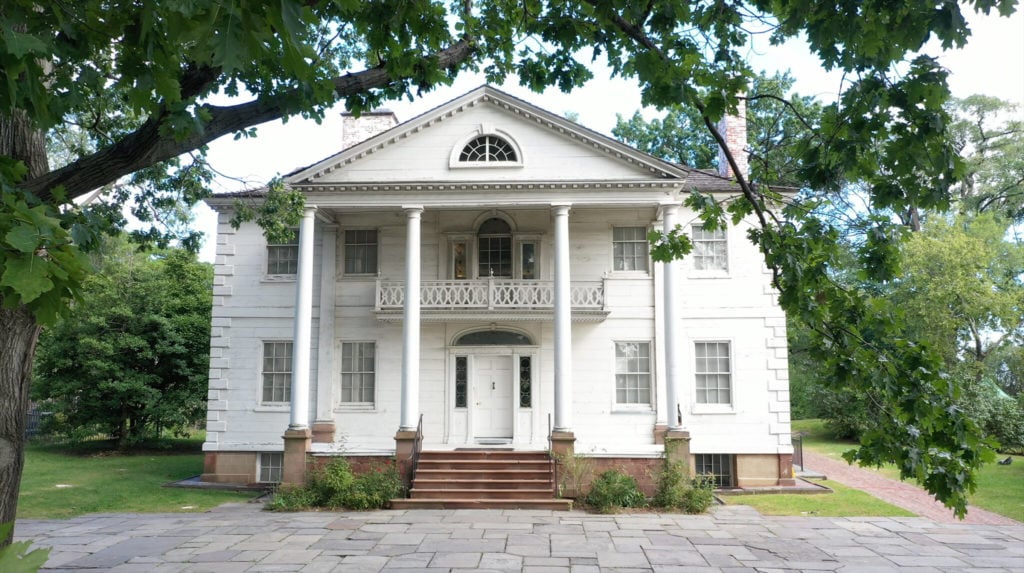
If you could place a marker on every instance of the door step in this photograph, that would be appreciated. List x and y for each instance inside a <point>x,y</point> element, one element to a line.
<point>480,478</point>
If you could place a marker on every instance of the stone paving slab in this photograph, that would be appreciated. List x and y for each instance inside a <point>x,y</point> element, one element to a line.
<point>732,539</point>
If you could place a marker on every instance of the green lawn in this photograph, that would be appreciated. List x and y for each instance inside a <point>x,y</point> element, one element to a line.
<point>1000,488</point>
<point>844,502</point>
<point>58,483</point>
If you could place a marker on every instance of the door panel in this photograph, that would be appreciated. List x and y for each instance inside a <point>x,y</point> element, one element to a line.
<point>492,396</point>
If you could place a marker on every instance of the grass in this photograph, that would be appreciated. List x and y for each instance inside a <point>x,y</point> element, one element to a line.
<point>844,502</point>
<point>1000,488</point>
<point>61,481</point>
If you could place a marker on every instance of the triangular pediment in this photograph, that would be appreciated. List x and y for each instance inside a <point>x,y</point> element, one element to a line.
<point>425,149</point>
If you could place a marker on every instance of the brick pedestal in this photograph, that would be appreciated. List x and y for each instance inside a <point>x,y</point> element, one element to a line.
<point>563,444</point>
<point>677,447</point>
<point>296,445</point>
<point>405,442</point>
<point>786,477</point>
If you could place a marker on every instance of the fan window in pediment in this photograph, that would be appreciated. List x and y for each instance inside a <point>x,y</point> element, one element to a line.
<point>488,149</point>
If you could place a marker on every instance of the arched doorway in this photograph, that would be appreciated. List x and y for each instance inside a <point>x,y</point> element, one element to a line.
<point>493,382</point>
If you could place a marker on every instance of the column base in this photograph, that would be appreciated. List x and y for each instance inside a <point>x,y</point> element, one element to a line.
<point>405,444</point>
<point>296,445</point>
<point>659,433</point>
<point>563,443</point>
<point>323,432</point>
<point>677,446</point>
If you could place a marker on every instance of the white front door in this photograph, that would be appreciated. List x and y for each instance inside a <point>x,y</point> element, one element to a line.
<point>492,397</point>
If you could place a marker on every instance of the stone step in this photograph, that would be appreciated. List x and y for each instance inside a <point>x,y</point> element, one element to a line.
<point>484,454</point>
<point>477,474</point>
<point>482,483</point>
<point>549,504</point>
<point>483,464</point>
<point>481,494</point>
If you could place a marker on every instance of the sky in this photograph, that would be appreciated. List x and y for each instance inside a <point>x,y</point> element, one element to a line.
<point>992,63</point>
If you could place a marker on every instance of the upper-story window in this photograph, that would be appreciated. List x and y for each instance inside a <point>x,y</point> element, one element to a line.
<point>488,149</point>
<point>494,242</point>
<point>360,252</point>
<point>710,250</point>
<point>629,249</point>
<point>283,258</point>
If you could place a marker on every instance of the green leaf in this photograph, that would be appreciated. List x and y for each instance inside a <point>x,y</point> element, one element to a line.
<point>19,44</point>
<point>16,557</point>
<point>24,238</point>
<point>27,276</point>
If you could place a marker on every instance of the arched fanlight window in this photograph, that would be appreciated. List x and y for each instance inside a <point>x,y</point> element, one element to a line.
<point>493,338</point>
<point>488,149</point>
<point>494,240</point>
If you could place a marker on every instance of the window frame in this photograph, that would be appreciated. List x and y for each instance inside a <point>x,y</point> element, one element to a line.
<point>485,130</point>
<point>273,247</point>
<point>651,384</point>
<point>261,465</point>
<point>714,408</point>
<point>709,272</point>
<point>730,463</point>
<point>340,404</point>
<point>631,272</point>
<point>345,256</point>
<point>271,404</point>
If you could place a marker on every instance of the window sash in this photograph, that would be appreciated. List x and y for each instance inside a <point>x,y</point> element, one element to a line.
<point>710,249</point>
<point>361,252</point>
<point>633,373</point>
<point>271,467</point>
<point>358,372</point>
<point>714,372</point>
<point>630,249</point>
<point>277,372</point>
<point>717,466</point>
<point>283,258</point>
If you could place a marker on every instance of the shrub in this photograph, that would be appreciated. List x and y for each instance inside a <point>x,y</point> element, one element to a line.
<point>676,490</point>
<point>574,474</point>
<point>335,486</point>
<point>613,490</point>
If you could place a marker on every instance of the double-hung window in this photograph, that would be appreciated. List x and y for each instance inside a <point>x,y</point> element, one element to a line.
<point>361,252</point>
<point>714,373</point>
<point>358,373</point>
<point>283,258</point>
<point>277,372</point>
<point>633,373</point>
<point>710,250</point>
<point>629,249</point>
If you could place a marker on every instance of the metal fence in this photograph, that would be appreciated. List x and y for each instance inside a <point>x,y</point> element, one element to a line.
<point>34,421</point>
<point>798,451</point>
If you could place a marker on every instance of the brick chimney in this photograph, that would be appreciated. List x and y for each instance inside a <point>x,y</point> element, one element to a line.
<point>358,129</point>
<point>734,130</point>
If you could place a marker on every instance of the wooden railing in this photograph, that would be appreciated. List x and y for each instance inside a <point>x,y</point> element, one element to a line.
<point>489,294</point>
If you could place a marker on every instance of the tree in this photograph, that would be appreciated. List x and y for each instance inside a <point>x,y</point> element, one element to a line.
<point>131,357</point>
<point>136,77</point>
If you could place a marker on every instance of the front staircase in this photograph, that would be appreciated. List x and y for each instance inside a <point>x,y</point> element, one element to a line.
<point>483,479</point>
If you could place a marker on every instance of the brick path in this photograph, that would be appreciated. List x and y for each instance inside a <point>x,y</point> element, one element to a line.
<point>898,493</point>
<point>730,539</point>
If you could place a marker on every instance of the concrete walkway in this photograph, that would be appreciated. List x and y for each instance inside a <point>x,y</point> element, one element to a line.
<point>732,539</point>
<point>901,494</point>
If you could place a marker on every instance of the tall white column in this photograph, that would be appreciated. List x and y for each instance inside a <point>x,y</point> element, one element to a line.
<point>325,348</point>
<point>303,323</point>
<point>563,323</point>
<point>673,366</point>
<point>411,323</point>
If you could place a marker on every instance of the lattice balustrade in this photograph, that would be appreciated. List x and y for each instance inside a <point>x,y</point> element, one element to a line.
<point>489,294</point>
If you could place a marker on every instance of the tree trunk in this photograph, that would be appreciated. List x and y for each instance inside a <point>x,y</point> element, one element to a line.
<point>17,348</point>
<point>21,140</point>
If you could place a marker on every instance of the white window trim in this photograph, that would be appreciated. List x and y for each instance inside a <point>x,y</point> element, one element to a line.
<point>611,253</point>
<point>262,406</point>
<point>695,273</point>
<point>340,406</point>
<point>259,467</point>
<point>700,408</point>
<point>343,255</point>
<point>278,277</point>
<point>486,129</point>
<point>617,407</point>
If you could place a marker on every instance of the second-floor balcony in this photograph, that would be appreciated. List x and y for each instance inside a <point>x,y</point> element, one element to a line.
<point>496,298</point>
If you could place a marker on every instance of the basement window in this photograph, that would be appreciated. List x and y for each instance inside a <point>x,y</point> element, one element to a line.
<point>271,467</point>
<point>719,467</point>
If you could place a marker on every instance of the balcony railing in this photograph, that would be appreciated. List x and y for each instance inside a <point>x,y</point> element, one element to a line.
<point>490,295</point>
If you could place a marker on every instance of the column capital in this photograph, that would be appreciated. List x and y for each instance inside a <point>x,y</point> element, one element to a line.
<point>561,208</point>
<point>412,209</point>
<point>308,210</point>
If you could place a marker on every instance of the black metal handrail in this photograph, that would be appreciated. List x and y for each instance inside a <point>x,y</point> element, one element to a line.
<point>417,445</point>
<point>552,461</point>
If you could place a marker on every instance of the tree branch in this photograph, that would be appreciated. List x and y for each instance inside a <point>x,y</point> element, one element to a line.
<point>147,145</point>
